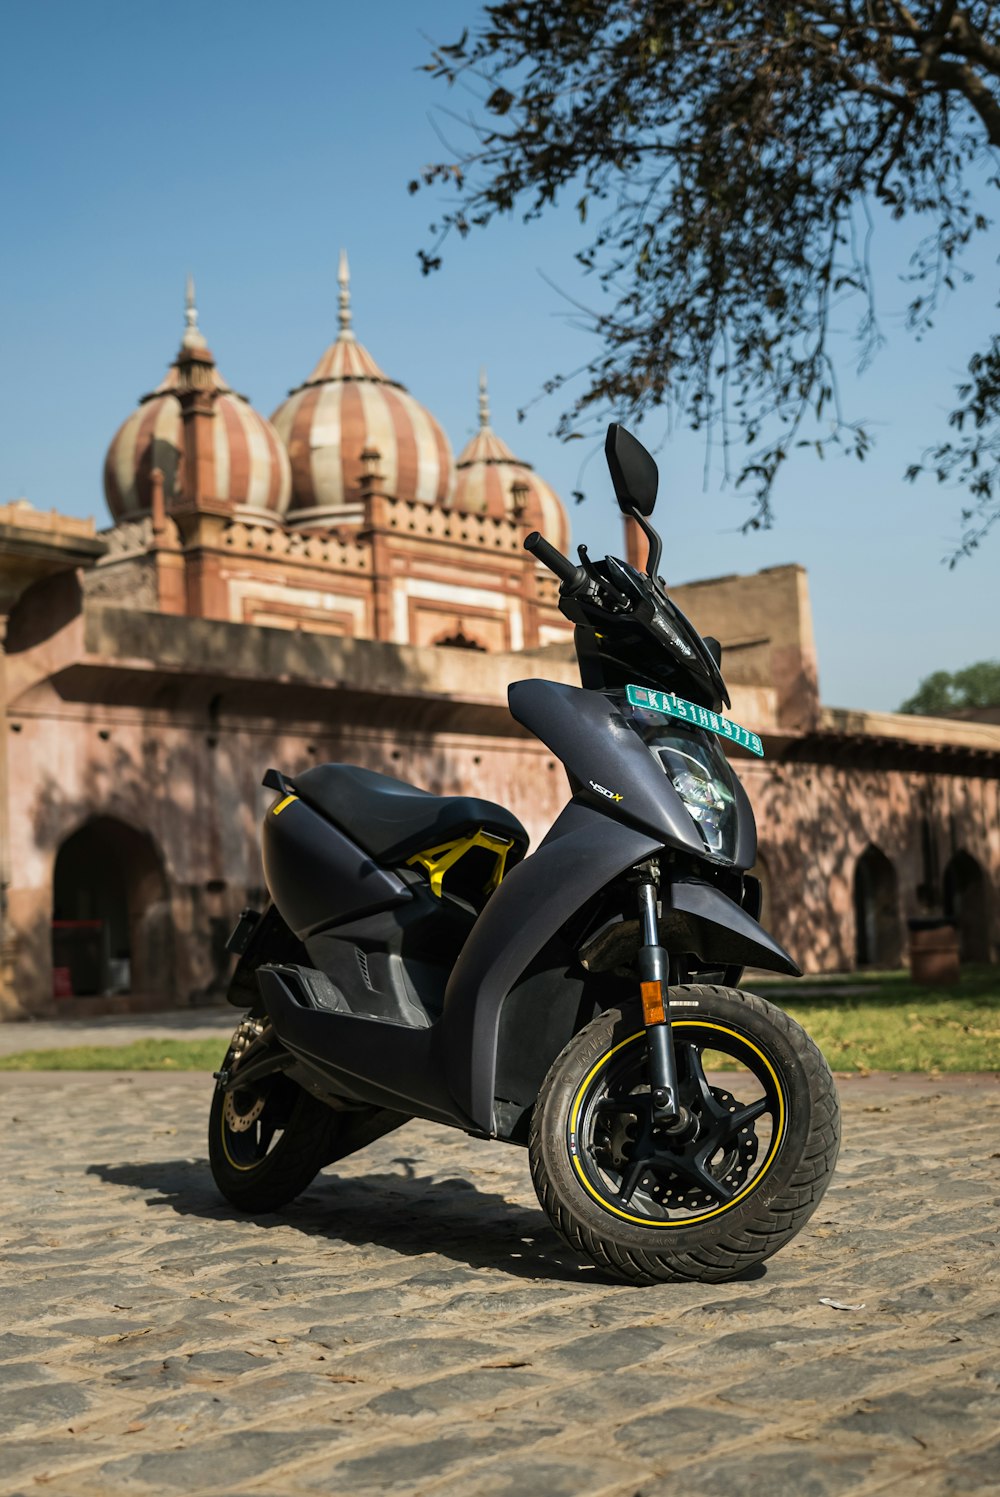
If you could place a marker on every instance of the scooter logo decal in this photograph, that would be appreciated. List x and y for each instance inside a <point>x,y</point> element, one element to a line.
<point>608,794</point>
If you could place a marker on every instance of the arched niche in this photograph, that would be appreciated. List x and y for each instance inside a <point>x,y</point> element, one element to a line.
<point>111,925</point>
<point>966,903</point>
<point>457,639</point>
<point>876,911</point>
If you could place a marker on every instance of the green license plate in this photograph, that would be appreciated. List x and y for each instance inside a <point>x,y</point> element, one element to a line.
<point>698,717</point>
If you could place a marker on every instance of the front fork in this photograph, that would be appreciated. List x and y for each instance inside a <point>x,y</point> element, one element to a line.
<point>654,979</point>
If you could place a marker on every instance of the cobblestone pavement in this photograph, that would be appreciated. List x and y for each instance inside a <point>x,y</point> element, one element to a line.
<point>412,1325</point>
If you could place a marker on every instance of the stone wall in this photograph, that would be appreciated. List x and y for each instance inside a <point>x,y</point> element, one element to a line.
<point>815,821</point>
<point>157,729</point>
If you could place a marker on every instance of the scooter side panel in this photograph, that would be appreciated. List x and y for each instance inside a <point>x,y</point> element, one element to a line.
<point>386,1065</point>
<point>615,770</point>
<point>316,875</point>
<point>581,853</point>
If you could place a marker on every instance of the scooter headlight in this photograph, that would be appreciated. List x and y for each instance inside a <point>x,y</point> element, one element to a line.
<point>699,771</point>
<point>708,802</point>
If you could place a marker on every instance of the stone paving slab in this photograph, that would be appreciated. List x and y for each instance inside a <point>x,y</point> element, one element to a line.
<point>412,1324</point>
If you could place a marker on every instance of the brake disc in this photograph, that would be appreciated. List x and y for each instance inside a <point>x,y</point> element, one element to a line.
<point>240,1118</point>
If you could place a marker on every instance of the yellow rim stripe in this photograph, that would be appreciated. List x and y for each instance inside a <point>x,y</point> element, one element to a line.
<point>277,810</point>
<point>225,1149</point>
<point>645,1221</point>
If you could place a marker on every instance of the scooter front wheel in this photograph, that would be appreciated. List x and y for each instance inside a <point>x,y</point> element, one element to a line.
<point>709,1199</point>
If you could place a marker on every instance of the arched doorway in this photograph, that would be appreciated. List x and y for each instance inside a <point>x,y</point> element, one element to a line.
<point>965,904</point>
<point>876,911</point>
<point>111,929</point>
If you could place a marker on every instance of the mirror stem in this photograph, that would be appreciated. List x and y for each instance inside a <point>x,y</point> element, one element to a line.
<point>655,545</point>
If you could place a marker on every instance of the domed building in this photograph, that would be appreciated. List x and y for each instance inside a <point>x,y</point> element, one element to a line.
<point>490,480</point>
<point>344,514</point>
<point>346,407</point>
<point>246,465</point>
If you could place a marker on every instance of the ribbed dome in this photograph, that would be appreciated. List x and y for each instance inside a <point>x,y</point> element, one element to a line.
<point>490,480</point>
<point>251,465</point>
<point>345,406</point>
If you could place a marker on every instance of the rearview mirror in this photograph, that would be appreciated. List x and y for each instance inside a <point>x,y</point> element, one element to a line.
<point>633,471</point>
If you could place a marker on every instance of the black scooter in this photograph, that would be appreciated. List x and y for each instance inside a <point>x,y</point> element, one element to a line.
<point>583,1001</point>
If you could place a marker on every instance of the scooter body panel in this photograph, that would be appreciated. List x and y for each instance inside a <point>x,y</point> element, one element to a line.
<point>583,851</point>
<point>316,875</point>
<point>612,767</point>
<point>361,1058</point>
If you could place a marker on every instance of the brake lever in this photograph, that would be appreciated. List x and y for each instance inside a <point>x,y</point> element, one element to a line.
<point>602,585</point>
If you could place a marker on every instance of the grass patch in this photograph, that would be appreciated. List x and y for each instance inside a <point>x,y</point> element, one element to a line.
<point>141,1055</point>
<point>896,1026</point>
<point>892,1026</point>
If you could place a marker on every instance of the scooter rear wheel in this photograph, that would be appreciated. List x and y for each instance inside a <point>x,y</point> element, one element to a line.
<point>267,1142</point>
<point>706,1202</point>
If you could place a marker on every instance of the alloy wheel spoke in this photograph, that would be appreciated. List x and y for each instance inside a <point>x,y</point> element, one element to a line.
<point>264,1137</point>
<point>696,1073</point>
<point>729,1124</point>
<point>631,1179</point>
<point>693,1168</point>
<point>618,1105</point>
<point>748,1114</point>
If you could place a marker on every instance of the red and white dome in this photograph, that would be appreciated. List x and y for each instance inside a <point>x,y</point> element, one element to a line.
<point>251,464</point>
<point>490,480</point>
<point>347,405</point>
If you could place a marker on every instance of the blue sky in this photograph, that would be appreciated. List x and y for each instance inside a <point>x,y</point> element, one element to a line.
<point>246,143</point>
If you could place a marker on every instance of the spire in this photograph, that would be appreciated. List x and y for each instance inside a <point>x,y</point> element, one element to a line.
<point>344,300</point>
<point>484,402</point>
<point>193,336</point>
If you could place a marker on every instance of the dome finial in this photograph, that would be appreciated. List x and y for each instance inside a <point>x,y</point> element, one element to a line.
<point>344,300</point>
<point>484,401</point>
<point>193,336</point>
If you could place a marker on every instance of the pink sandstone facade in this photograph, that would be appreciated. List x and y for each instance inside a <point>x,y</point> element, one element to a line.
<point>332,585</point>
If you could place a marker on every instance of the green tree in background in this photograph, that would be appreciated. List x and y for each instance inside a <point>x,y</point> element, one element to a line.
<point>726,157</point>
<point>946,691</point>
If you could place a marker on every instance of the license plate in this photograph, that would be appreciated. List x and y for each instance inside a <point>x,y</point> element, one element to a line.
<point>699,717</point>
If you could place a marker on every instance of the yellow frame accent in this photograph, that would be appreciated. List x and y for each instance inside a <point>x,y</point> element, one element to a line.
<point>277,810</point>
<point>644,1221</point>
<point>437,860</point>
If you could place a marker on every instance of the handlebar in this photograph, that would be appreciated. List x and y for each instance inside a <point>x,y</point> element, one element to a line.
<point>574,579</point>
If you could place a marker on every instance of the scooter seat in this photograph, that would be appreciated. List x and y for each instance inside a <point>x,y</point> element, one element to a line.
<point>391,819</point>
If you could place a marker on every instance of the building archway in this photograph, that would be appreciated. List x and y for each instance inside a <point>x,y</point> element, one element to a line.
<point>876,911</point>
<point>111,928</point>
<point>965,903</point>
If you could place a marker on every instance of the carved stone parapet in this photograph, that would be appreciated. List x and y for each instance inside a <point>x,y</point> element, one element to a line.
<point>341,551</point>
<point>430,522</point>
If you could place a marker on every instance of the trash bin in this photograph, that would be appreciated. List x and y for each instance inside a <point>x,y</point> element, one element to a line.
<point>934,952</point>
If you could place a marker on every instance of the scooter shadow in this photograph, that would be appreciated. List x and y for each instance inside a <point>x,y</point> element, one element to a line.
<point>411,1214</point>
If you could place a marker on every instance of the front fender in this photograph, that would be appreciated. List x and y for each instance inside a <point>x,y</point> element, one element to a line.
<point>696,917</point>
<point>583,851</point>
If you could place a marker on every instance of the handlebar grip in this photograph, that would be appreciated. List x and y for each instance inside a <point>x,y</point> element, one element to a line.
<point>569,575</point>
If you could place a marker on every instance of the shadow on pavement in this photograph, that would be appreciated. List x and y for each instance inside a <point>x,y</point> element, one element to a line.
<point>407,1213</point>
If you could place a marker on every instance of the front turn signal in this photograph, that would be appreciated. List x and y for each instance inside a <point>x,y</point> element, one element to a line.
<point>652,1003</point>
